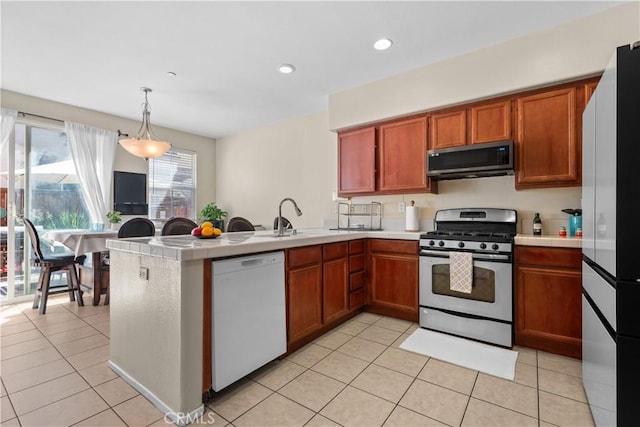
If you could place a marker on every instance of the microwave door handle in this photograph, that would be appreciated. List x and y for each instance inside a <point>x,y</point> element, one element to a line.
<point>478,256</point>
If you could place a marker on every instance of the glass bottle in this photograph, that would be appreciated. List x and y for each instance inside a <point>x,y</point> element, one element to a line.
<point>537,225</point>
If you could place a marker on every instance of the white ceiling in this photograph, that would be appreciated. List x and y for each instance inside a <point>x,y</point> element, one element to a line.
<point>98,54</point>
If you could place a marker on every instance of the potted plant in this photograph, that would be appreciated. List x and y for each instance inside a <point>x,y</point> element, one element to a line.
<point>114,218</point>
<point>211,212</point>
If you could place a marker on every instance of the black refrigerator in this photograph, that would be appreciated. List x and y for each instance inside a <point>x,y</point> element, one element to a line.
<point>611,238</point>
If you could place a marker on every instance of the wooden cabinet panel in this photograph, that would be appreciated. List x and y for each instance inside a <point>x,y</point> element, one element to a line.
<point>490,122</point>
<point>357,161</point>
<point>356,246</point>
<point>356,281</point>
<point>356,299</point>
<point>403,156</point>
<point>393,278</point>
<point>334,250</point>
<point>548,285</point>
<point>589,88</point>
<point>356,263</point>
<point>306,255</point>
<point>448,129</point>
<point>547,140</point>
<point>549,257</point>
<point>304,301</point>
<point>335,289</point>
<point>394,246</point>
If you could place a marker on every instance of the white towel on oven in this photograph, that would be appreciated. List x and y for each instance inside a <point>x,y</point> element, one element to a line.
<point>460,271</point>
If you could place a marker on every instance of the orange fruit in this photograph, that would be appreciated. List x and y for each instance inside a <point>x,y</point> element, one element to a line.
<point>217,231</point>
<point>206,224</point>
<point>207,231</point>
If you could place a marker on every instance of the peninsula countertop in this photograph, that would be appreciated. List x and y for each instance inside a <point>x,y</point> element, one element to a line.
<point>186,247</point>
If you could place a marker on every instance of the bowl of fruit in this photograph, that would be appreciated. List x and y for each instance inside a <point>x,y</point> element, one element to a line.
<point>206,231</point>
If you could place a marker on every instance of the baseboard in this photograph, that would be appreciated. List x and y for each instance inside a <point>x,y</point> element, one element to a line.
<point>178,418</point>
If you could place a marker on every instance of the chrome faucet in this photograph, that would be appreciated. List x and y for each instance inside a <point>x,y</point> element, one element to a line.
<point>280,226</point>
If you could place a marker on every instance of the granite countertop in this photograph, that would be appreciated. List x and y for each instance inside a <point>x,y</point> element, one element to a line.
<point>185,247</point>
<point>548,240</point>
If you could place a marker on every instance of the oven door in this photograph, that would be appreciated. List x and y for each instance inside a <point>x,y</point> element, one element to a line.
<point>491,294</point>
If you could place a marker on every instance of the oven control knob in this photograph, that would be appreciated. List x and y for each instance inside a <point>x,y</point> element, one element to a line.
<point>495,247</point>
<point>483,246</point>
<point>461,245</point>
<point>440,243</point>
<point>431,243</point>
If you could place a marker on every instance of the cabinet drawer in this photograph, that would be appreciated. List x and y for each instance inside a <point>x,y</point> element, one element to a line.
<point>395,246</point>
<point>356,299</point>
<point>356,247</point>
<point>334,251</point>
<point>304,256</point>
<point>551,257</point>
<point>356,263</point>
<point>356,281</point>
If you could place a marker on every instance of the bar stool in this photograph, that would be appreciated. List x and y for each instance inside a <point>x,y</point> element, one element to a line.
<point>51,264</point>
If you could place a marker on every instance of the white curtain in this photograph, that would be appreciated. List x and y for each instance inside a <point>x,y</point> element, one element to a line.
<point>8,122</point>
<point>93,152</point>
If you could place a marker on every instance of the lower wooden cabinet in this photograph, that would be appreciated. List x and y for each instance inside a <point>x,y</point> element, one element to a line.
<point>304,300</point>
<point>317,289</point>
<point>304,291</point>
<point>335,281</point>
<point>548,310</point>
<point>393,270</point>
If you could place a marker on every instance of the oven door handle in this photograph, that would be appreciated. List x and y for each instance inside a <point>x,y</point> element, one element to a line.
<point>478,256</point>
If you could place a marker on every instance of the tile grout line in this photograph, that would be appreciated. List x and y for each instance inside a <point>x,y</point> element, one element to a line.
<point>75,370</point>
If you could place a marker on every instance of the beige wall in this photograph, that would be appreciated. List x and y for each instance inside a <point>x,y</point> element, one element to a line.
<point>205,147</point>
<point>294,158</point>
<point>298,157</point>
<point>577,49</point>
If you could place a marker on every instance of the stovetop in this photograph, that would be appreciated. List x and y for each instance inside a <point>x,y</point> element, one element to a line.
<point>475,236</point>
<point>472,229</point>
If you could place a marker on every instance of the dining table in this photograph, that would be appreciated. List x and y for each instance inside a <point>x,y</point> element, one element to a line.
<point>82,242</point>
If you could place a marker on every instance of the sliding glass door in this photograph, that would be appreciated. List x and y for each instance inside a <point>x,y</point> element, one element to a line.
<point>37,181</point>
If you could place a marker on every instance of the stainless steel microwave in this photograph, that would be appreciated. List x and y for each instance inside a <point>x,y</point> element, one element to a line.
<point>471,161</point>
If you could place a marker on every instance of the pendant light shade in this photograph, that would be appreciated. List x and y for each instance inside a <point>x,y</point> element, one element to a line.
<point>145,144</point>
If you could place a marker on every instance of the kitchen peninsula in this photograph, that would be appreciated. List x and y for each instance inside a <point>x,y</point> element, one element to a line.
<point>157,315</point>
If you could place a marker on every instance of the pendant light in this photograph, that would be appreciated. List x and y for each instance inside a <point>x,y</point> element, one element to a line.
<point>145,144</point>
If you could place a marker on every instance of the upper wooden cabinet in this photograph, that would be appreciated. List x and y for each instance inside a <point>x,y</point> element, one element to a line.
<point>589,88</point>
<point>545,124</point>
<point>403,155</point>
<point>547,144</point>
<point>357,161</point>
<point>490,122</point>
<point>486,122</point>
<point>400,155</point>
<point>448,129</point>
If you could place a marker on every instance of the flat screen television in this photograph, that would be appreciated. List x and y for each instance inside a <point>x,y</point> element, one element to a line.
<point>130,193</point>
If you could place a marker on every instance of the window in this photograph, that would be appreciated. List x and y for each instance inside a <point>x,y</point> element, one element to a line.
<point>41,183</point>
<point>172,185</point>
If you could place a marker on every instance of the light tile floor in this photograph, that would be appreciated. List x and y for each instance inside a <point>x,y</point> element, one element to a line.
<point>54,372</point>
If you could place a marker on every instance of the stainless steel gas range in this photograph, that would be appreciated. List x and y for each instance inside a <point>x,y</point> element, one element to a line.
<point>486,312</point>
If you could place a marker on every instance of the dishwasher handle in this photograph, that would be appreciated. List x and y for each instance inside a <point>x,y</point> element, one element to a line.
<point>252,262</point>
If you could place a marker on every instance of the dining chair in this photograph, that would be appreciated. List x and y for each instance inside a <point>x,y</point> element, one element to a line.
<point>137,227</point>
<point>50,264</point>
<point>238,223</point>
<point>177,226</point>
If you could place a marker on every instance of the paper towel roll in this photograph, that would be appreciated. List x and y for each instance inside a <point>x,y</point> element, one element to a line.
<point>413,219</point>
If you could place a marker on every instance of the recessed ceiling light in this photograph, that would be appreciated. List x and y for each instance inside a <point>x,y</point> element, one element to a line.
<point>171,74</point>
<point>382,44</point>
<point>286,68</point>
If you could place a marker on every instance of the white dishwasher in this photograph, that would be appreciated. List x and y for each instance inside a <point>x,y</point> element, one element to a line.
<point>248,315</point>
